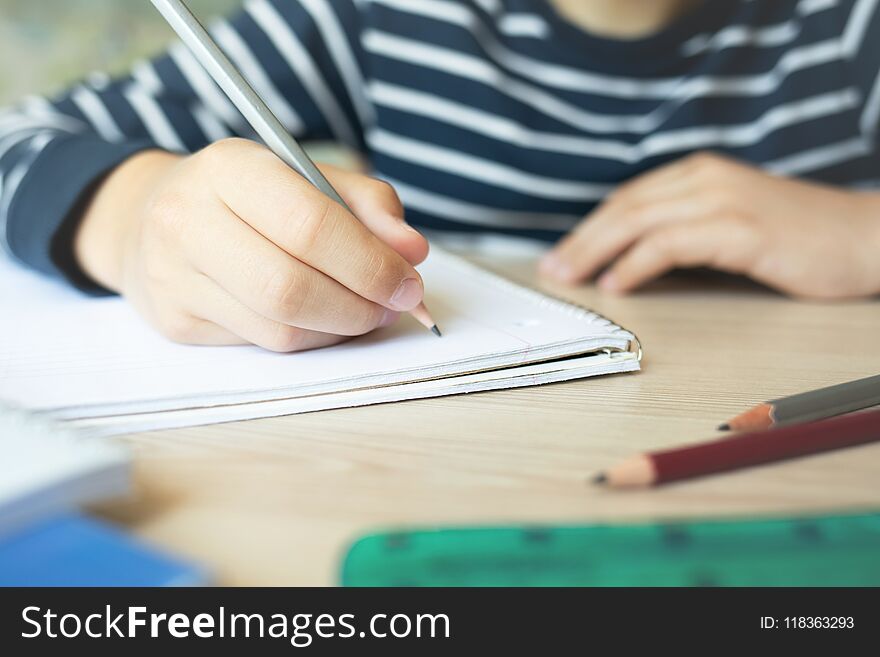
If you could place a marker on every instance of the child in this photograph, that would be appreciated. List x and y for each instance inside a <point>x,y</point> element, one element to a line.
<point>586,120</point>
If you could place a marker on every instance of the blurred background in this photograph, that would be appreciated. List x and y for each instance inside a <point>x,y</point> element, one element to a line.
<point>47,44</point>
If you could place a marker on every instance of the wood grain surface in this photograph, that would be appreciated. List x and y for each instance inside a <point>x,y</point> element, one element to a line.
<point>276,502</point>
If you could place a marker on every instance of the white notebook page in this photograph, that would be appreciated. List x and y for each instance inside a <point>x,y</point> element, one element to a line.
<point>579,367</point>
<point>82,357</point>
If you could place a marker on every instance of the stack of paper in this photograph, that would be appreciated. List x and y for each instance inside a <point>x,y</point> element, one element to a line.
<point>45,469</point>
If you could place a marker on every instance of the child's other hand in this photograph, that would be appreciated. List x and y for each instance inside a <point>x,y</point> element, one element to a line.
<point>230,246</point>
<point>807,240</point>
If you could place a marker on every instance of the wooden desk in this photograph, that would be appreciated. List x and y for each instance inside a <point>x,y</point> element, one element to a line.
<point>276,502</point>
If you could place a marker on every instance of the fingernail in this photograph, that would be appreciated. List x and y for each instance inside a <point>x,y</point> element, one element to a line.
<point>408,295</point>
<point>390,317</point>
<point>551,265</point>
<point>555,267</point>
<point>608,282</point>
<point>547,264</point>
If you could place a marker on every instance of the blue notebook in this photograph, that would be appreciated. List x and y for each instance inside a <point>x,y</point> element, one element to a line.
<point>73,550</point>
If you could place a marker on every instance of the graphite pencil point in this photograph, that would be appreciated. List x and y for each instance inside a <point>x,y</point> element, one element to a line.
<point>436,331</point>
<point>600,478</point>
<point>724,427</point>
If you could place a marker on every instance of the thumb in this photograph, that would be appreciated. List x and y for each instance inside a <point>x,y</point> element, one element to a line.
<point>376,204</point>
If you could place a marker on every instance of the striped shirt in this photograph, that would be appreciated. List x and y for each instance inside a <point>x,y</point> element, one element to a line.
<point>490,115</point>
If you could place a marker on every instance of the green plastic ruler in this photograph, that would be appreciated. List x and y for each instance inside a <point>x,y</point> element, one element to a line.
<point>811,551</point>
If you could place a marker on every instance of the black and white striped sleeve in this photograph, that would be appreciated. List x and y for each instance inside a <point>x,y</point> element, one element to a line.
<point>302,56</point>
<point>862,41</point>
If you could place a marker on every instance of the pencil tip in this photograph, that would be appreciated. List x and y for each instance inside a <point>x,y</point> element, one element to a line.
<point>600,478</point>
<point>436,331</point>
<point>724,427</point>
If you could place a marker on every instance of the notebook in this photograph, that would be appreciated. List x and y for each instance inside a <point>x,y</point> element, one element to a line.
<point>73,550</point>
<point>94,363</point>
<point>45,469</point>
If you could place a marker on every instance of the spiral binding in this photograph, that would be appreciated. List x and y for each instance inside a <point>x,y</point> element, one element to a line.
<point>544,300</point>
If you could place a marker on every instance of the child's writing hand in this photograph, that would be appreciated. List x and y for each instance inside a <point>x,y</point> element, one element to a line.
<point>229,246</point>
<point>804,239</point>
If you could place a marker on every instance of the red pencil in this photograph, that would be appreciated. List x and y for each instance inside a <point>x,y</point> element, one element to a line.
<point>744,450</point>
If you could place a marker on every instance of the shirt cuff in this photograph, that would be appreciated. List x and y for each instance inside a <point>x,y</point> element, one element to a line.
<point>48,204</point>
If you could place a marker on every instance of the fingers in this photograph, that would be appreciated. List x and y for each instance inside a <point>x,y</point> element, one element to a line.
<point>634,207</point>
<point>277,286</point>
<point>644,214</point>
<point>187,329</point>
<point>287,210</point>
<point>720,243</point>
<point>211,304</point>
<point>378,207</point>
<point>612,229</point>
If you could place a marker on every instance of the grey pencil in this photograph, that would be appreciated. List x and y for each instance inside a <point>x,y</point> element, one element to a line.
<point>254,109</point>
<point>808,406</point>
